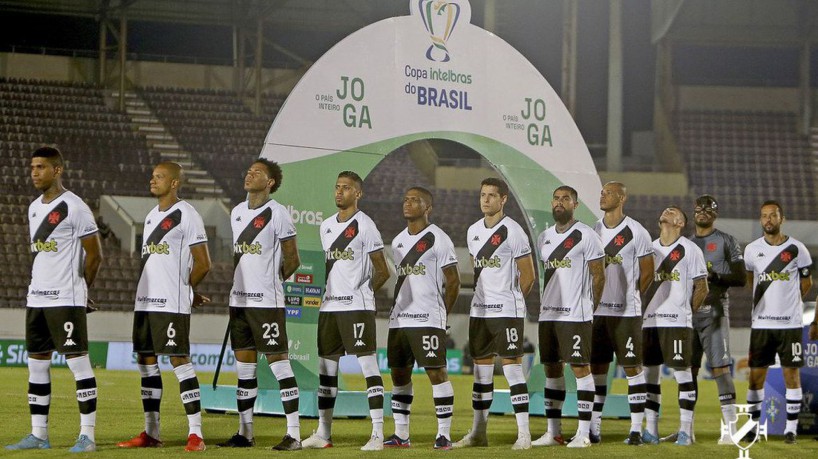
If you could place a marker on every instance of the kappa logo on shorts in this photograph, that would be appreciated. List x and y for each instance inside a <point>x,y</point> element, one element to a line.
<point>511,346</point>
<point>170,342</point>
<point>576,354</point>
<point>272,342</point>
<point>630,354</point>
<point>431,354</point>
<point>359,343</point>
<point>70,342</point>
<point>677,357</point>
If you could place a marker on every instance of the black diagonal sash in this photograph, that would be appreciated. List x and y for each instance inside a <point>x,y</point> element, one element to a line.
<point>169,222</point>
<point>559,254</point>
<point>488,249</point>
<point>423,245</point>
<point>54,217</point>
<point>341,243</point>
<point>666,266</point>
<point>251,232</point>
<point>619,242</point>
<point>776,265</point>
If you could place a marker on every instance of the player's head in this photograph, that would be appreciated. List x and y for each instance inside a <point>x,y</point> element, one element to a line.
<point>348,190</point>
<point>166,179</point>
<point>417,203</point>
<point>563,204</point>
<point>673,217</point>
<point>772,216</point>
<point>612,196</point>
<point>46,167</point>
<point>706,211</point>
<point>493,195</point>
<point>263,175</point>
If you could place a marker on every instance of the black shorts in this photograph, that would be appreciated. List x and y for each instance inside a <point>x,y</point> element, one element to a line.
<point>568,342</point>
<point>672,346</point>
<point>424,345</point>
<point>712,340</point>
<point>765,343</point>
<point>617,335</point>
<point>350,332</point>
<point>260,329</point>
<point>501,336</point>
<point>165,333</point>
<point>61,328</point>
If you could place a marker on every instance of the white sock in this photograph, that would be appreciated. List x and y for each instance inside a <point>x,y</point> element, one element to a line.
<point>687,399</point>
<point>246,394</point>
<point>600,394</point>
<point>152,395</point>
<point>402,397</point>
<point>482,396</point>
<point>327,391</point>
<point>39,395</point>
<point>654,399</point>
<point>86,393</point>
<point>374,391</point>
<point>283,372</point>
<point>519,396</point>
<point>191,397</point>
<point>585,404</point>
<point>443,395</point>
<point>636,400</point>
<point>555,386</point>
<point>794,398</point>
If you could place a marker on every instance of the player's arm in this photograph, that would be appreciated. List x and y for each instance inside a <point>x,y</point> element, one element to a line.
<point>645,273</point>
<point>380,272</point>
<point>201,266</point>
<point>291,258</point>
<point>737,276</point>
<point>700,290</point>
<point>597,268</point>
<point>526,267</point>
<point>750,277</point>
<point>806,280</point>
<point>93,257</point>
<point>452,276</point>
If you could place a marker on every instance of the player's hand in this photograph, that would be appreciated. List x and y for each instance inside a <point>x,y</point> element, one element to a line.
<point>91,306</point>
<point>199,299</point>
<point>813,331</point>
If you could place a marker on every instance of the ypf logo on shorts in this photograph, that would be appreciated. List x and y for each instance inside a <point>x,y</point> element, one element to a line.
<point>739,429</point>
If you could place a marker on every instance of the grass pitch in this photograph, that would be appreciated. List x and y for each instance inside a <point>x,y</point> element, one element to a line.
<point>119,417</point>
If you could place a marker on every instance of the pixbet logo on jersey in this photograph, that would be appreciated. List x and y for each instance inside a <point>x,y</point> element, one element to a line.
<point>247,249</point>
<point>307,217</point>
<point>336,254</point>
<point>773,276</point>
<point>483,262</point>
<point>556,264</point>
<point>40,246</point>
<point>662,276</point>
<point>415,270</point>
<point>156,249</point>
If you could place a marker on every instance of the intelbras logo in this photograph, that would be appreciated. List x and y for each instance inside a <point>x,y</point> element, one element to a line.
<point>306,217</point>
<point>243,248</point>
<point>156,249</point>
<point>40,246</point>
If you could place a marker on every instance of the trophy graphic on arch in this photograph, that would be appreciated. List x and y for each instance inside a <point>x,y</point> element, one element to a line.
<point>440,19</point>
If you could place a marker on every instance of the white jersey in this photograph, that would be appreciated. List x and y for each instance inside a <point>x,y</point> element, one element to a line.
<point>567,294</point>
<point>347,247</point>
<point>164,283</point>
<point>777,271</point>
<point>257,254</point>
<point>494,253</point>
<point>419,261</point>
<point>624,245</point>
<point>677,266</point>
<point>58,269</point>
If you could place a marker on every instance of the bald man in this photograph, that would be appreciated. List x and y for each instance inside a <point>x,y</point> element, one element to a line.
<point>174,261</point>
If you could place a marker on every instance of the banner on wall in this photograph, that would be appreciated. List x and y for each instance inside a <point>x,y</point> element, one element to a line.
<point>429,75</point>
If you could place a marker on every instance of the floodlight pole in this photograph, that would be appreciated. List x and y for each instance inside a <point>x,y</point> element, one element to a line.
<point>613,156</point>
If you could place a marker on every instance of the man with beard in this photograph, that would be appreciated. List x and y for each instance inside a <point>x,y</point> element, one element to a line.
<point>780,267</point>
<point>356,269</point>
<point>711,323</point>
<point>572,288</point>
<point>679,284</point>
<point>618,320</point>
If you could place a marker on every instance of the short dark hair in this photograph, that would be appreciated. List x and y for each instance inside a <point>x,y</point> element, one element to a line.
<point>773,202</point>
<point>423,191</point>
<point>570,190</point>
<point>354,177</point>
<point>51,154</point>
<point>501,185</point>
<point>684,215</point>
<point>273,171</point>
